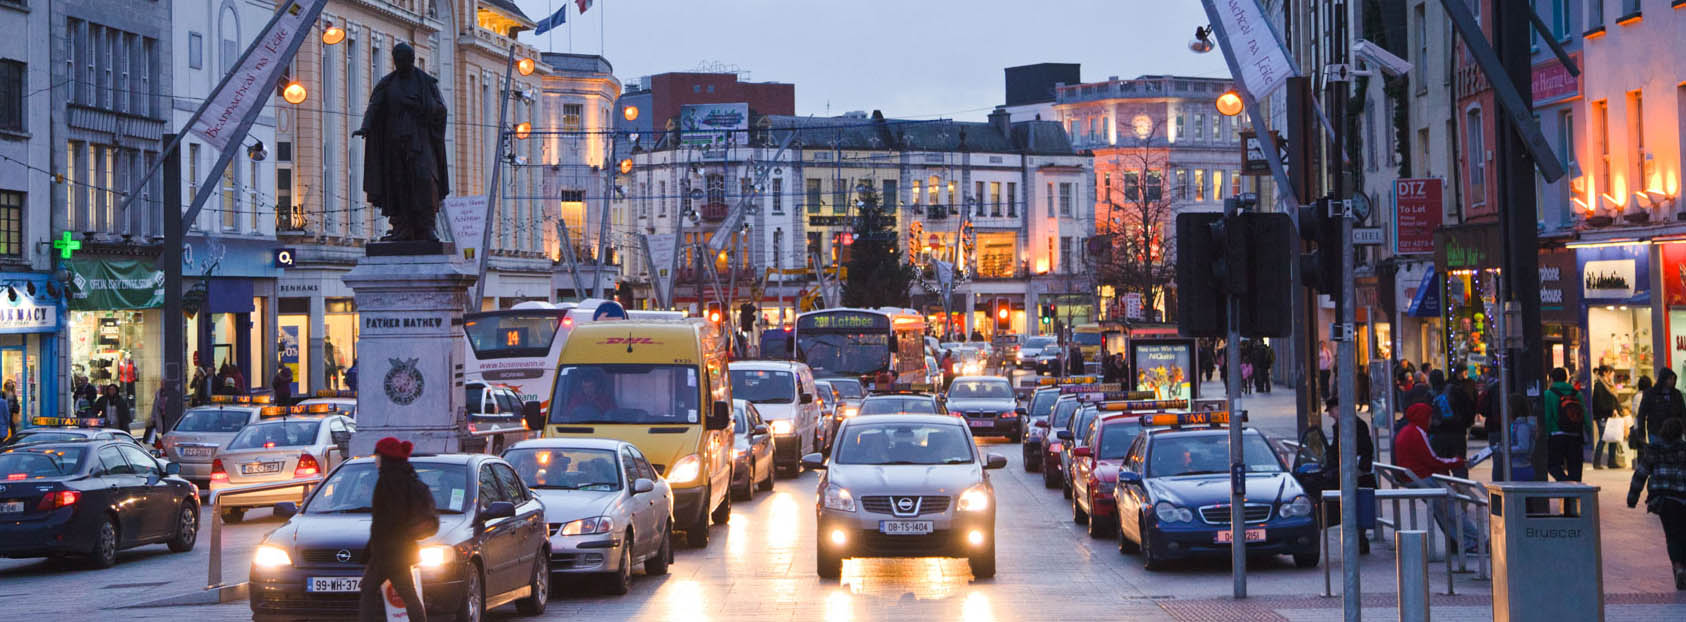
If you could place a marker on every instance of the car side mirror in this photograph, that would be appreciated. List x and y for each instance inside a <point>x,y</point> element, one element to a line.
<point>340,437</point>
<point>286,509</point>
<point>171,468</point>
<point>721,417</point>
<point>1307,470</point>
<point>1080,452</point>
<point>1041,423</point>
<point>642,485</point>
<point>760,430</point>
<point>1064,435</point>
<point>813,461</point>
<point>807,398</point>
<point>789,345</point>
<point>1129,477</point>
<point>498,509</point>
<point>994,461</point>
<point>531,414</point>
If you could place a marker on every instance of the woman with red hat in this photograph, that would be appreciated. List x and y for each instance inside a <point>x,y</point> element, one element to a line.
<point>401,513</point>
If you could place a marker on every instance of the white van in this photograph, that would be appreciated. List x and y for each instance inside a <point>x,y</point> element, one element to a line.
<point>784,393</point>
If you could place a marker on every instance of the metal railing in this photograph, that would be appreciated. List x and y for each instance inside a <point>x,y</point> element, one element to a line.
<point>1396,495</point>
<point>1470,494</point>
<point>214,572</point>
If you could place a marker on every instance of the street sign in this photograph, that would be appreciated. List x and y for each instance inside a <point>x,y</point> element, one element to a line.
<point>1253,153</point>
<point>1368,236</point>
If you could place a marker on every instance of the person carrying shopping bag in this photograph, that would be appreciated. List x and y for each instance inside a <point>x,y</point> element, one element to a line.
<point>1661,472</point>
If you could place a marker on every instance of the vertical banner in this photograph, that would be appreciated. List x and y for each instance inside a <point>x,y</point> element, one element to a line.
<point>662,249</point>
<point>1263,64</point>
<point>1419,212</point>
<point>252,81</point>
<point>467,216</point>
<point>289,353</point>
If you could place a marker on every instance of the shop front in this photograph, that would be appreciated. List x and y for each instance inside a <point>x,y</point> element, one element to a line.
<point>1616,311</point>
<point>316,329</point>
<point>1560,309</point>
<point>229,334</point>
<point>30,316</point>
<point>1672,258</point>
<point>1419,329</point>
<point>115,330</point>
<point>1469,257</point>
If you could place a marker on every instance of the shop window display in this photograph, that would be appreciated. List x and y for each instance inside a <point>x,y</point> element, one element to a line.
<point>111,348</point>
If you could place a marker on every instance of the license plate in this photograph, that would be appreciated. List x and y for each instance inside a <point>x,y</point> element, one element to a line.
<point>334,584</point>
<point>260,467</point>
<point>11,507</point>
<point>1253,535</point>
<point>980,423</point>
<point>904,527</point>
<point>197,452</point>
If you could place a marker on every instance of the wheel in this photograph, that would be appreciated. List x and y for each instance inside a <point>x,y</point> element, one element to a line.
<point>619,581</point>
<point>983,562</point>
<point>828,565</point>
<point>1126,546</point>
<point>473,595</point>
<point>1149,560</point>
<point>696,533</point>
<point>1077,514</point>
<point>1031,464</point>
<point>657,566</point>
<point>748,491</point>
<point>104,553</point>
<point>187,528</point>
<point>1050,479</point>
<point>723,514</point>
<point>786,471</point>
<point>539,594</point>
<point>1065,488</point>
<point>1305,560</point>
<point>232,516</point>
<point>766,481</point>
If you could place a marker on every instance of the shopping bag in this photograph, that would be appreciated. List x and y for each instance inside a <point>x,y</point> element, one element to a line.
<point>1615,429</point>
<point>395,611</point>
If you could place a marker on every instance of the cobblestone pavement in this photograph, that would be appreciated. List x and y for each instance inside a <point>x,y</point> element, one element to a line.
<point>760,567</point>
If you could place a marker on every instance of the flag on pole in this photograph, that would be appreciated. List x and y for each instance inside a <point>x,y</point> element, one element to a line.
<point>556,19</point>
<point>584,4</point>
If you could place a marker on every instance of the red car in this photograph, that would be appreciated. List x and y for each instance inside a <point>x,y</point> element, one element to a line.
<point>1094,470</point>
<point>1058,421</point>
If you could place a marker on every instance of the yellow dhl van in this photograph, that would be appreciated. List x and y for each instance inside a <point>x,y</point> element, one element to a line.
<point>1088,339</point>
<point>662,386</point>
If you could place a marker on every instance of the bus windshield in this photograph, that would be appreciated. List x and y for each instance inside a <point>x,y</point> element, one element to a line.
<point>512,334</point>
<point>623,393</point>
<point>843,353</point>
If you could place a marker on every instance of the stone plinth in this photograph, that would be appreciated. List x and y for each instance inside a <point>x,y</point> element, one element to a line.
<point>410,351</point>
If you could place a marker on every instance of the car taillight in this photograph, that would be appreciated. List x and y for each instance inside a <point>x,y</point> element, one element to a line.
<point>307,467</point>
<point>217,472</point>
<point>58,499</point>
<point>955,413</point>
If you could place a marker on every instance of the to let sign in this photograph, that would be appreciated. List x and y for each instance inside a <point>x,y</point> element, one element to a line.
<point>1419,205</point>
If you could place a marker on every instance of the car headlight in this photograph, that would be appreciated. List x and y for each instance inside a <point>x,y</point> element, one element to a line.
<point>435,556</point>
<point>270,556</point>
<point>1300,506</point>
<point>838,498</point>
<point>685,469</point>
<point>781,427</point>
<point>975,499</point>
<point>588,526</point>
<point>1170,513</point>
<point>849,411</point>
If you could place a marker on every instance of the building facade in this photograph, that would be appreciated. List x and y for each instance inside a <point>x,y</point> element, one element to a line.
<point>658,98</point>
<point>578,131</point>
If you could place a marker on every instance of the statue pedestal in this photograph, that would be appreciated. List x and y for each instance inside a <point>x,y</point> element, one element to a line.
<point>410,351</point>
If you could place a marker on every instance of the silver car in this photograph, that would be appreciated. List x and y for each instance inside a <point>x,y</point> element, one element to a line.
<point>200,434</point>
<point>605,507</point>
<point>905,486</point>
<point>277,449</point>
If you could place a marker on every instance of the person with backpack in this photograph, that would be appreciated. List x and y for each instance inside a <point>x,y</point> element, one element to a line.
<point>1662,403</point>
<point>1604,406</point>
<point>1448,431</point>
<point>401,513</point>
<point>1567,427</point>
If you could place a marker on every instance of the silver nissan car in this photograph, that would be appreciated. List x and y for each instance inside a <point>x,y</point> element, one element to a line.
<point>905,486</point>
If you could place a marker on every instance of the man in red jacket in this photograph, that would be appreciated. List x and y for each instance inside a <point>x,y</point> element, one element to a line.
<point>1412,451</point>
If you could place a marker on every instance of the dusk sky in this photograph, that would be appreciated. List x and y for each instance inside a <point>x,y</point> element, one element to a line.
<point>909,58</point>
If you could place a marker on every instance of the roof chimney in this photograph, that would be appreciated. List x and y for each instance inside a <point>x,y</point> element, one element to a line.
<point>1001,121</point>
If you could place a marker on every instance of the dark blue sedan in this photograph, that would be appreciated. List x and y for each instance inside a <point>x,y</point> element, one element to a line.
<point>1173,499</point>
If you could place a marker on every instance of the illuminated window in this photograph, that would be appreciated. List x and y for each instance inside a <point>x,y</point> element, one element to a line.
<point>997,254</point>
<point>1199,185</point>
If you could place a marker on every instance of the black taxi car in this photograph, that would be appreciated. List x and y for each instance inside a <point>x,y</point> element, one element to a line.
<point>1173,494</point>
<point>91,499</point>
<point>491,548</point>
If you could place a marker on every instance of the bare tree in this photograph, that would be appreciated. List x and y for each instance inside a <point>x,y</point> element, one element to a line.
<point>1133,250</point>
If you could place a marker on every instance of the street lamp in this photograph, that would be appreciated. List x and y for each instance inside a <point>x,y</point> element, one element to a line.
<point>630,113</point>
<point>1202,42</point>
<point>294,93</point>
<point>1229,103</point>
<point>625,166</point>
<point>523,130</point>
<point>331,34</point>
<point>525,66</point>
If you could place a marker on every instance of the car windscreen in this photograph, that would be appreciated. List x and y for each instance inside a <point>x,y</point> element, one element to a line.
<point>1062,414</point>
<point>47,437</point>
<point>625,393</point>
<point>740,421</point>
<point>1200,454</point>
<point>1038,342</point>
<point>277,434</point>
<point>29,462</point>
<point>351,489</point>
<point>213,420</point>
<point>892,404</point>
<point>1087,339</point>
<point>565,469</point>
<point>1116,438</point>
<point>1042,403</point>
<point>968,389</point>
<point>763,386</point>
<point>844,353</point>
<point>903,443</point>
<point>849,388</point>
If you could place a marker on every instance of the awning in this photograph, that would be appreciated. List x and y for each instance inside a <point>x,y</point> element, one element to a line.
<point>107,284</point>
<point>1427,301</point>
<point>229,296</point>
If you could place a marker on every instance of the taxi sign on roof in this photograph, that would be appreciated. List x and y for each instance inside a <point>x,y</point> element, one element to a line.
<point>911,387</point>
<point>1068,381</point>
<point>1103,387</point>
<point>1132,405</point>
<point>1211,417</point>
<point>333,393</point>
<point>240,399</point>
<point>68,422</point>
<point>1109,396</point>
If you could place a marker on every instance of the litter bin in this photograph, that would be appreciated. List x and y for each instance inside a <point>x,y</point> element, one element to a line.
<point>1541,533</point>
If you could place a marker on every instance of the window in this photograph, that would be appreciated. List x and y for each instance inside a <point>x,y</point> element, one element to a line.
<point>1235,184</point>
<point>995,198</point>
<point>917,198</point>
<point>1154,190</point>
<point>1012,199</point>
<point>1179,184</point>
<point>1199,184</point>
<point>932,187</point>
<point>1560,19</point>
<point>229,208</point>
<point>661,199</point>
<point>1630,8</point>
<point>1566,137</point>
<point>1594,14</point>
<point>571,114</point>
<point>978,196</point>
<point>813,195</point>
<point>1065,254</point>
<point>778,195</point>
<point>1132,186</point>
<point>11,95</point>
<point>1476,151</point>
<point>1419,17</point>
<point>716,184</point>
<point>778,248</point>
<point>1217,185</point>
<point>1050,201</point>
<point>839,195</point>
<point>1199,132</point>
<point>1217,127</point>
<point>11,223</point>
<point>888,194</point>
<point>1066,198</point>
<point>1636,137</point>
<point>142,463</point>
<point>490,490</point>
<point>1369,134</point>
<point>644,199</point>
<point>195,50</point>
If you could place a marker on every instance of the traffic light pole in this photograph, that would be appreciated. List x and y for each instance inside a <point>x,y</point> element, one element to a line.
<point>1237,462</point>
<point>1347,366</point>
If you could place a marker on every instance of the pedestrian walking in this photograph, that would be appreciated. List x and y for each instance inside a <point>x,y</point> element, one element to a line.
<point>1520,436</point>
<point>1567,427</point>
<point>351,376</point>
<point>1662,403</point>
<point>1604,406</point>
<point>1263,359</point>
<point>1365,450</point>
<point>1454,412</point>
<point>401,513</point>
<point>113,408</point>
<point>155,424</point>
<point>1208,359</point>
<point>283,384</point>
<point>1661,471</point>
<point>6,425</point>
<point>1325,368</point>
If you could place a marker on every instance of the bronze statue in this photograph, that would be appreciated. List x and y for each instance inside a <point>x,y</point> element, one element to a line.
<point>404,170</point>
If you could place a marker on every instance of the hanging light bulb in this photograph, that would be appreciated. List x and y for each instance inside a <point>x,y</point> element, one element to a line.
<point>332,34</point>
<point>525,66</point>
<point>630,113</point>
<point>523,130</point>
<point>294,93</point>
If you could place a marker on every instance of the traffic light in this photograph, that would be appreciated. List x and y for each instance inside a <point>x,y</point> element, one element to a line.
<point>714,315</point>
<point>1320,269</point>
<point>1044,314</point>
<point>1003,317</point>
<point>1200,302</point>
<point>1266,309</point>
<point>746,318</point>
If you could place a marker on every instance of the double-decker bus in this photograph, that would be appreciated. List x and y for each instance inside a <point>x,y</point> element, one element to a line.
<point>518,347</point>
<point>862,343</point>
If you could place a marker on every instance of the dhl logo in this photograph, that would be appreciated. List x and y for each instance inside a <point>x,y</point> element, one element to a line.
<point>629,341</point>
